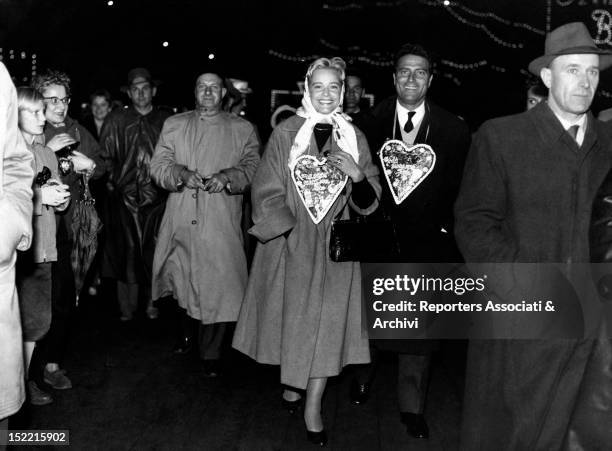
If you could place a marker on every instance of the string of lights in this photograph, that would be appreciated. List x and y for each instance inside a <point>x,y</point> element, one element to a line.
<point>483,15</point>
<point>484,28</point>
<point>439,3</point>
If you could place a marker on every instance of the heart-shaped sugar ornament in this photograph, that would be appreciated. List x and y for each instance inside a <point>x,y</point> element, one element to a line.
<point>318,184</point>
<point>405,167</point>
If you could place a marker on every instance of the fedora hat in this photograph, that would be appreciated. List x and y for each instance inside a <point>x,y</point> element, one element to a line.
<point>241,85</point>
<point>138,72</point>
<point>569,39</point>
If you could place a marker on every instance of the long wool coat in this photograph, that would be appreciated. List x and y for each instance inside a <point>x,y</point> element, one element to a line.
<point>526,196</point>
<point>301,310</point>
<point>16,231</point>
<point>199,258</point>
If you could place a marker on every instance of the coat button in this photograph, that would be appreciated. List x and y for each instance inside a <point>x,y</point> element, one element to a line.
<point>194,195</point>
<point>194,222</point>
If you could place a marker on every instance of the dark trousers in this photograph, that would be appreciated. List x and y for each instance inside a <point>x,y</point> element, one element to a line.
<point>210,336</point>
<point>63,298</point>
<point>412,378</point>
<point>412,382</point>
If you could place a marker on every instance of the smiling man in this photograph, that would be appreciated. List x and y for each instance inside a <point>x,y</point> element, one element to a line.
<point>424,221</point>
<point>526,196</point>
<point>206,158</point>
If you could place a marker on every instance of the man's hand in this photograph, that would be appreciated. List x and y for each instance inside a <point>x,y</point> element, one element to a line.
<point>58,142</point>
<point>192,179</point>
<point>82,163</point>
<point>215,183</point>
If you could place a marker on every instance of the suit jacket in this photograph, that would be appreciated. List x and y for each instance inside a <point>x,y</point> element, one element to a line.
<point>429,208</point>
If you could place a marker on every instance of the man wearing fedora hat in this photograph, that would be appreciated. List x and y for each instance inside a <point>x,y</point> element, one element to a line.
<point>134,203</point>
<point>528,186</point>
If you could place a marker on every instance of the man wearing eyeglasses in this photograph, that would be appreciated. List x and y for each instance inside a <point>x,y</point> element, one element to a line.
<point>134,203</point>
<point>423,221</point>
<point>62,131</point>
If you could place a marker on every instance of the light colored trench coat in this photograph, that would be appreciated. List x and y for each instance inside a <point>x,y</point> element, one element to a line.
<point>16,176</point>
<point>301,310</point>
<point>199,257</point>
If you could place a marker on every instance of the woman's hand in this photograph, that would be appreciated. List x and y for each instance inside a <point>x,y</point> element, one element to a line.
<point>82,163</point>
<point>58,142</point>
<point>347,165</point>
<point>54,195</point>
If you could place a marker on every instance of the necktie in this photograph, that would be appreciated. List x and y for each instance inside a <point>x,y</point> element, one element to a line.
<point>409,126</point>
<point>573,131</point>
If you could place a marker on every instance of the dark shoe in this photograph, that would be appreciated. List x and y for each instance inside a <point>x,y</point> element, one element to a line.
<point>37,396</point>
<point>359,393</point>
<point>152,312</point>
<point>317,438</point>
<point>415,424</point>
<point>184,346</point>
<point>57,379</point>
<point>292,406</point>
<point>212,368</point>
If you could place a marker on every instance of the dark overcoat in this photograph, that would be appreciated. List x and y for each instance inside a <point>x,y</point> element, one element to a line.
<point>526,196</point>
<point>134,203</point>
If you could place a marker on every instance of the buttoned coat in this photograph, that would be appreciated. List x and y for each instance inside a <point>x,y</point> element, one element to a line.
<point>301,311</point>
<point>526,196</point>
<point>199,257</point>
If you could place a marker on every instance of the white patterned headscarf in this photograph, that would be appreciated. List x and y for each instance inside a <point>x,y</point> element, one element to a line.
<point>343,132</point>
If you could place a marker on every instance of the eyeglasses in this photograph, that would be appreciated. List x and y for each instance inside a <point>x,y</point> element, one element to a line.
<point>56,100</point>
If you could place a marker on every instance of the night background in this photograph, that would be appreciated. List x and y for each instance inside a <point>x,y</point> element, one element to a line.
<point>482,47</point>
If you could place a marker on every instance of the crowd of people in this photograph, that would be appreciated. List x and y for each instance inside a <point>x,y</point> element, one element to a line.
<point>174,190</point>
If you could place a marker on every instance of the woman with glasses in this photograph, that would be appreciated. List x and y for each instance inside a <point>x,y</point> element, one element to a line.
<point>34,266</point>
<point>60,132</point>
<point>302,310</point>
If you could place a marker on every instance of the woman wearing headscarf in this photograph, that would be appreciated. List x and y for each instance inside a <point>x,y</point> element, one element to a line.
<point>302,311</point>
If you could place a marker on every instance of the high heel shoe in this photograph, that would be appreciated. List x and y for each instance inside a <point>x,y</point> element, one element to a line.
<point>317,438</point>
<point>292,406</point>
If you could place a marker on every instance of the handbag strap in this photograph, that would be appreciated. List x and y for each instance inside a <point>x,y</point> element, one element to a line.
<point>378,198</point>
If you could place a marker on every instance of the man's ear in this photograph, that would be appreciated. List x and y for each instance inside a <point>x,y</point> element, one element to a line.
<point>223,92</point>
<point>429,82</point>
<point>154,91</point>
<point>546,76</point>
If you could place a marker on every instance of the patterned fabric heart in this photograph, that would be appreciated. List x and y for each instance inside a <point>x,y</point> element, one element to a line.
<point>318,183</point>
<point>405,167</point>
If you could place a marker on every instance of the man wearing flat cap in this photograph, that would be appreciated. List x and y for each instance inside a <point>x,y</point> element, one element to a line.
<point>135,204</point>
<point>526,197</point>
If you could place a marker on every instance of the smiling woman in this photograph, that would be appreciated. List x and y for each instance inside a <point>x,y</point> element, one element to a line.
<point>302,311</point>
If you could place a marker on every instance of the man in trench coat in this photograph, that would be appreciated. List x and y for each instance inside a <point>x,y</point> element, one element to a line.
<point>206,158</point>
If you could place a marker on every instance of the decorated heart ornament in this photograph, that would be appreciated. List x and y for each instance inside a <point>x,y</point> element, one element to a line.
<point>318,184</point>
<point>405,167</point>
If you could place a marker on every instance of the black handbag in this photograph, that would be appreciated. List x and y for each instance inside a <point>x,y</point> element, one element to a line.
<point>363,238</point>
